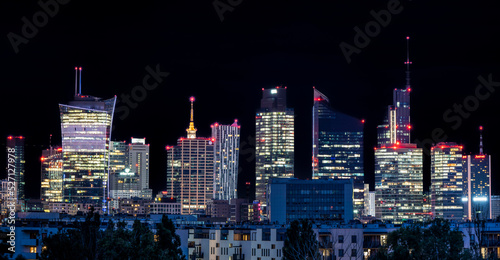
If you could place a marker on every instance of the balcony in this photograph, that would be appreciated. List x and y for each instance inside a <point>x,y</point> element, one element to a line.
<point>371,244</point>
<point>238,257</point>
<point>196,256</point>
<point>490,243</point>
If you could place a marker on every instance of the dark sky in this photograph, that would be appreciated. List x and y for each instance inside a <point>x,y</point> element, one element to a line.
<point>225,64</point>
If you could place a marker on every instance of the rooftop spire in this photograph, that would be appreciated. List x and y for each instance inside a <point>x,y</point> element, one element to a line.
<point>408,62</point>
<point>191,131</point>
<point>480,140</point>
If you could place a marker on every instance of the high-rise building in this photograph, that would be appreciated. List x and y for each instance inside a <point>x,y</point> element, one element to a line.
<point>399,183</point>
<point>226,140</point>
<point>495,206</point>
<point>138,160</point>
<point>125,185</point>
<point>17,143</point>
<point>118,156</point>
<point>477,184</point>
<point>446,181</point>
<point>338,147</point>
<point>51,176</point>
<point>274,151</point>
<point>190,170</point>
<point>86,133</point>
<point>293,199</point>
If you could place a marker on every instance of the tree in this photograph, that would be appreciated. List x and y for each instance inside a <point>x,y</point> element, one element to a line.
<point>301,242</point>
<point>168,241</point>
<point>436,241</point>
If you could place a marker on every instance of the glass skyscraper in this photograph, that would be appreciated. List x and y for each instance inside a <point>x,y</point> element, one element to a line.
<point>17,142</point>
<point>190,170</point>
<point>138,160</point>
<point>293,199</point>
<point>274,151</point>
<point>399,183</point>
<point>51,176</point>
<point>338,147</point>
<point>226,140</point>
<point>86,133</point>
<point>446,181</point>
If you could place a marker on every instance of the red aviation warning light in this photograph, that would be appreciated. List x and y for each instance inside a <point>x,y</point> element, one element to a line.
<point>191,99</point>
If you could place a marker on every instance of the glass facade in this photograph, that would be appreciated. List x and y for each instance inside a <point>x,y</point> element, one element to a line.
<point>86,132</point>
<point>399,183</point>
<point>446,181</point>
<point>294,199</point>
<point>17,142</point>
<point>138,160</point>
<point>401,103</point>
<point>338,147</point>
<point>226,139</point>
<point>274,149</point>
<point>477,186</point>
<point>51,175</point>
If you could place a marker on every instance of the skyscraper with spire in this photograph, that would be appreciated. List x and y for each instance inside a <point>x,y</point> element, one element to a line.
<point>397,127</point>
<point>398,163</point>
<point>86,133</point>
<point>190,170</point>
<point>274,130</point>
<point>477,184</point>
<point>338,147</point>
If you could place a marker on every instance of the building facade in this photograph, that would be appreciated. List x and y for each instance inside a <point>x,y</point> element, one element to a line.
<point>226,141</point>
<point>274,135</point>
<point>477,186</point>
<point>338,147</point>
<point>190,170</point>
<point>138,160</point>
<point>86,134</point>
<point>293,199</point>
<point>51,175</point>
<point>446,181</point>
<point>17,143</point>
<point>399,183</point>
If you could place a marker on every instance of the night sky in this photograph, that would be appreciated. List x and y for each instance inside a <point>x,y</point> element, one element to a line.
<point>225,64</point>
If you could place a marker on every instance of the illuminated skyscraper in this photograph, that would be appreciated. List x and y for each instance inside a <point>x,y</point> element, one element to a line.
<point>86,132</point>
<point>118,156</point>
<point>190,170</point>
<point>477,184</point>
<point>338,147</point>
<point>138,160</point>
<point>17,143</point>
<point>274,151</point>
<point>446,181</point>
<point>397,127</point>
<point>51,176</point>
<point>226,153</point>
<point>399,183</point>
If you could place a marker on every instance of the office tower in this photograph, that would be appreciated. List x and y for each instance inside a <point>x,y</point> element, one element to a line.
<point>495,206</point>
<point>446,181</point>
<point>138,160</point>
<point>86,132</point>
<point>398,183</point>
<point>477,184</point>
<point>16,143</point>
<point>51,176</point>
<point>118,157</point>
<point>274,149</point>
<point>293,199</point>
<point>125,185</point>
<point>190,170</point>
<point>369,197</point>
<point>397,127</point>
<point>338,147</point>
<point>226,140</point>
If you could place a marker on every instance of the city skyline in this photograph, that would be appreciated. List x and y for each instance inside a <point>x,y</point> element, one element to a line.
<point>289,51</point>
